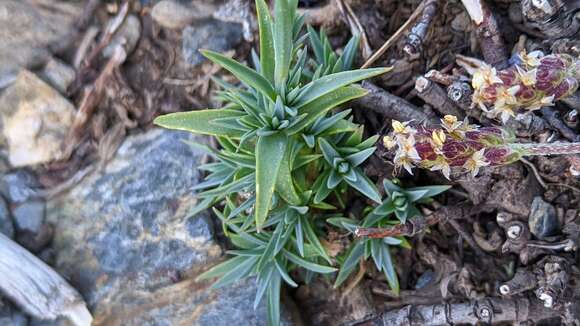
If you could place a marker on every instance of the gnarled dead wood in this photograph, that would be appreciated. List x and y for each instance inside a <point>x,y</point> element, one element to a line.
<point>487,311</point>
<point>36,288</point>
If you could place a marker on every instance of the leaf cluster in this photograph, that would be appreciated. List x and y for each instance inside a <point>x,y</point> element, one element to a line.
<point>289,152</point>
<point>399,205</point>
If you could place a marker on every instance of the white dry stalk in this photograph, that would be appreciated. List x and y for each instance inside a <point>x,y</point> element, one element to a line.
<point>36,288</point>
<point>474,9</point>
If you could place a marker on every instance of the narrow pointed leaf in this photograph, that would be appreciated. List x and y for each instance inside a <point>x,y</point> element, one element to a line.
<point>357,158</point>
<point>283,43</point>
<point>308,264</point>
<point>329,83</point>
<point>270,152</point>
<point>200,122</point>
<point>266,40</point>
<point>247,75</point>
<point>365,186</point>
<point>323,104</point>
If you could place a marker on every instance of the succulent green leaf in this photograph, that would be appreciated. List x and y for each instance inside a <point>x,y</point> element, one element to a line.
<point>285,276</point>
<point>365,186</point>
<point>313,238</point>
<point>237,272</point>
<point>285,183</point>
<point>322,104</point>
<point>270,152</point>
<point>266,40</point>
<point>245,74</point>
<point>221,269</point>
<point>283,42</point>
<point>356,159</point>
<point>308,264</point>
<point>330,83</point>
<point>201,122</point>
<point>273,296</point>
<point>354,255</point>
<point>431,190</point>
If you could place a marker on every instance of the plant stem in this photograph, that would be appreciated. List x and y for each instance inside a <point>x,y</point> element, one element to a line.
<point>548,148</point>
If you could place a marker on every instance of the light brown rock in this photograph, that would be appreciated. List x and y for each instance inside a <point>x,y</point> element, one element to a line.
<point>172,15</point>
<point>35,120</point>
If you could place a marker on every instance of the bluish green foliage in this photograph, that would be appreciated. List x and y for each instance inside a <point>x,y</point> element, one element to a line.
<point>399,205</point>
<point>287,152</point>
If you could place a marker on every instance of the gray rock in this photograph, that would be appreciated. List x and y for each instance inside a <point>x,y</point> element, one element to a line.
<point>58,74</point>
<point>424,279</point>
<point>19,186</point>
<point>125,239</point>
<point>543,220</point>
<point>10,316</point>
<point>211,35</point>
<point>35,120</point>
<point>6,225</point>
<point>173,15</point>
<point>128,35</point>
<point>27,30</point>
<point>29,216</point>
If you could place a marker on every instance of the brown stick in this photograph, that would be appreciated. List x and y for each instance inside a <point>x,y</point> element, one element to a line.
<point>414,225</point>
<point>488,33</point>
<point>418,11</point>
<point>414,43</point>
<point>391,106</point>
<point>437,97</point>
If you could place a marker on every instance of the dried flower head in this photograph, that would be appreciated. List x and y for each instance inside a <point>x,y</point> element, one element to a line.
<point>462,146</point>
<point>534,82</point>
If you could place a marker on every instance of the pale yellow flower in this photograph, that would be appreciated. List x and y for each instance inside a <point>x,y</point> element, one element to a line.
<point>407,146</point>
<point>543,102</point>
<point>485,76</point>
<point>476,161</point>
<point>401,159</point>
<point>450,123</point>
<point>504,110</point>
<point>406,154</point>
<point>532,59</point>
<point>402,128</point>
<point>528,78</point>
<point>389,142</point>
<point>442,165</point>
<point>507,95</point>
<point>478,99</point>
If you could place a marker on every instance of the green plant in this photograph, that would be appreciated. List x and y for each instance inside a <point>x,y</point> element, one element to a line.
<point>285,153</point>
<point>401,203</point>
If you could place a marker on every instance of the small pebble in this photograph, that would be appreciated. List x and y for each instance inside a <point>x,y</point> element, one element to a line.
<point>543,220</point>
<point>128,35</point>
<point>19,186</point>
<point>424,279</point>
<point>29,216</point>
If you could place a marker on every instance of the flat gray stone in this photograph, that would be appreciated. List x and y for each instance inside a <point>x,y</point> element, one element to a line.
<point>212,35</point>
<point>125,239</point>
<point>29,216</point>
<point>27,31</point>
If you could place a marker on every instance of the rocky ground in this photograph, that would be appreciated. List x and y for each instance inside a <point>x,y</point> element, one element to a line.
<point>90,187</point>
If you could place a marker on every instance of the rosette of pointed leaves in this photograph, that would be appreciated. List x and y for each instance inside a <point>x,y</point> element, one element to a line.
<point>460,145</point>
<point>278,104</point>
<point>400,203</point>
<point>533,82</point>
<point>274,130</point>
